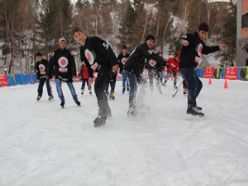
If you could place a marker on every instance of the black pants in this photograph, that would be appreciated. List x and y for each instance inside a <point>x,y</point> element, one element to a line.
<point>102,80</point>
<point>112,83</point>
<point>42,81</point>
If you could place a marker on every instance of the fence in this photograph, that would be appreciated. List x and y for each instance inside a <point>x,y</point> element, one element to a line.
<point>233,73</point>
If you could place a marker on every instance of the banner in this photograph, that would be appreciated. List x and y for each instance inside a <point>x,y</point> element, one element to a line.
<point>231,73</point>
<point>3,80</point>
<point>208,72</point>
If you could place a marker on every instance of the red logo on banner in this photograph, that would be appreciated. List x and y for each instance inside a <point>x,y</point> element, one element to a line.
<point>3,80</point>
<point>231,73</point>
<point>208,72</point>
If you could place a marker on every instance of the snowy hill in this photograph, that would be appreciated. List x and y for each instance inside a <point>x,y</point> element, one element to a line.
<point>42,144</point>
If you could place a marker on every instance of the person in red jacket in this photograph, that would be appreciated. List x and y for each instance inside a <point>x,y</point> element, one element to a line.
<point>84,75</point>
<point>172,69</point>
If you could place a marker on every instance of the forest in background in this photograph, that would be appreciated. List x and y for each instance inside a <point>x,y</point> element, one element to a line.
<point>28,26</point>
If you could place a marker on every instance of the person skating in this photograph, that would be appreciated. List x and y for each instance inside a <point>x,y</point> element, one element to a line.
<point>135,67</point>
<point>172,69</point>
<point>97,54</point>
<point>84,75</point>
<point>40,69</point>
<point>122,59</point>
<point>193,46</point>
<point>155,65</point>
<point>62,66</point>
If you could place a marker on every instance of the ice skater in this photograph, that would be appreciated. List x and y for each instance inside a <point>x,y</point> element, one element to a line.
<point>98,55</point>
<point>62,66</point>
<point>134,68</point>
<point>41,65</point>
<point>122,59</point>
<point>84,76</point>
<point>193,46</point>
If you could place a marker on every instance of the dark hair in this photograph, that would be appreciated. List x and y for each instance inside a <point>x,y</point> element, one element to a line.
<point>203,27</point>
<point>124,47</point>
<point>77,29</point>
<point>148,37</point>
<point>38,54</point>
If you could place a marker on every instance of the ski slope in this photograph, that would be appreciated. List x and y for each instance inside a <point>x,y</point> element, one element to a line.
<point>44,145</point>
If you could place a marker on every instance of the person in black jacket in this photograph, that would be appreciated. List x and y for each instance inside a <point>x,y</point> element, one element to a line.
<point>155,65</point>
<point>40,69</point>
<point>135,67</point>
<point>62,66</point>
<point>122,59</point>
<point>193,46</point>
<point>98,55</point>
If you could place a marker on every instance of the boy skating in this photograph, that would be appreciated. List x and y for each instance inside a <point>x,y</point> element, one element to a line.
<point>40,69</point>
<point>62,66</point>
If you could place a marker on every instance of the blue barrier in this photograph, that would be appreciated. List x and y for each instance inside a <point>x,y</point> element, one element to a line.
<point>21,79</point>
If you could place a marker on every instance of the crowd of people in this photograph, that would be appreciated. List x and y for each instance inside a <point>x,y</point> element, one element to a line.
<point>97,56</point>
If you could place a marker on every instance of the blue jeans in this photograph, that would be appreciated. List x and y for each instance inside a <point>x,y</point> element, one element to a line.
<point>194,85</point>
<point>60,92</point>
<point>134,80</point>
<point>125,80</point>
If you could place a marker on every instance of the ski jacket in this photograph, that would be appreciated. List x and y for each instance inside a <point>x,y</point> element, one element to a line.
<point>122,60</point>
<point>190,55</point>
<point>172,65</point>
<point>62,65</point>
<point>40,68</point>
<point>155,62</point>
<point>137,59</point>
<point>96,53</point>
<point>83,73</point>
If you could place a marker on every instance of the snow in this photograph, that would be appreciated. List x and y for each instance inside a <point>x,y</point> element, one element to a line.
<point>42,144</point>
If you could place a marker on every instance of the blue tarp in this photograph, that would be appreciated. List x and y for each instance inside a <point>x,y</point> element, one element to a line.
<point>21,79</point>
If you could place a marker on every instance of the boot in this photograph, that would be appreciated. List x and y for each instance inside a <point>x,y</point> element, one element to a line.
<point>78,103</point>
<point>123,90</point>
<point>192,110</point>
<point>112,96</point>
<point>62,104</point>
<point>100,120</point>
<point>38,98</point>
<point>184,91</point>
<point>131,111</point>
<point>50,98</point>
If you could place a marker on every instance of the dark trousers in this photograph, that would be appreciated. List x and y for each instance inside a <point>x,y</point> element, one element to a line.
<point>102,80</point>
<point>84,81</point>
<point>42,81</point>
<point>112,83</point>
<point>194,85</point>
<point>154,74</point>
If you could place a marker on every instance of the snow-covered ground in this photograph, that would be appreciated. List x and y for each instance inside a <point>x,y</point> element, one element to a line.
<point>44,145</point>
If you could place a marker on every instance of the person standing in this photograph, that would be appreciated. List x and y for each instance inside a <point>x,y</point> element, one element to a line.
<point>41,65</point>
<point>62,66</point>
<point>122,59</point>
<point>98,55</point>
<point>172,69</point>
<point>193,46</point>
<point>84,75</point>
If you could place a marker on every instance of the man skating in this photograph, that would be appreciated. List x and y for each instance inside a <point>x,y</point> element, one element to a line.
<point>98,55</point>
<point>193,46</point>
<point>134,68</point>
<point>62,66</point>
